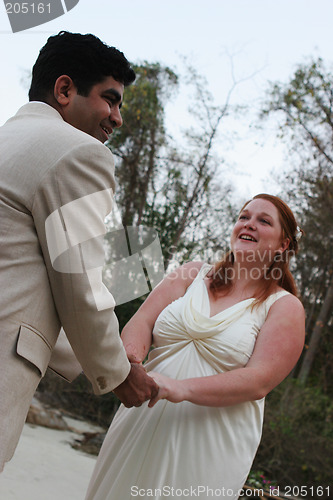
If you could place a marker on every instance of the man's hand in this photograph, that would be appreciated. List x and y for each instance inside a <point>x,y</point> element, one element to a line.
<point>137,388</point>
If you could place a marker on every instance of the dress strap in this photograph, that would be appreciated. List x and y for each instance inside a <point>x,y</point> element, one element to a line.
<point>274,297</point>
<point>204,270</point>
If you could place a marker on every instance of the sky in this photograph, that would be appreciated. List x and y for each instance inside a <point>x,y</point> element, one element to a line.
<point>264,39</point>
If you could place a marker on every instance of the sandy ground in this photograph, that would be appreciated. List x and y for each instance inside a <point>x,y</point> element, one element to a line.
<point>46,467</point>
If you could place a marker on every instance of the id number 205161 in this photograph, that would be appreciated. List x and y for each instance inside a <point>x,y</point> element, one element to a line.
<point>307,491</point>
<point>28,8</point>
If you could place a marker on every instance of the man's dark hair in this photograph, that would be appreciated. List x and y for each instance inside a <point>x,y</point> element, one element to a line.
<point>84,58</point>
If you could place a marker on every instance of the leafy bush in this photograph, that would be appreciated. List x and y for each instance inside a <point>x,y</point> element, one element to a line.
<point>297,443</point>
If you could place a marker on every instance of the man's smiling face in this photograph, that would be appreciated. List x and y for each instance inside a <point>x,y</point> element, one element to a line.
<point>98,113</point>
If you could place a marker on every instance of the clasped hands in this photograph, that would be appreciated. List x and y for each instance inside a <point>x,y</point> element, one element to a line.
<point>140,386</point>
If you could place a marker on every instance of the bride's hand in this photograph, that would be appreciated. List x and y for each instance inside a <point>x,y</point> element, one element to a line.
<point>169,389</point>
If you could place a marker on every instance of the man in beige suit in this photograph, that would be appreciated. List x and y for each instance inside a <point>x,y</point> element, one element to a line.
<point>57,183</point>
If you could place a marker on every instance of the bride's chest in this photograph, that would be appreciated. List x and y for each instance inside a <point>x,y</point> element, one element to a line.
<point>218,304</point>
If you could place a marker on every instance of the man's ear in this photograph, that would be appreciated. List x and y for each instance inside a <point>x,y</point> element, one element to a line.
<point>64,88</point>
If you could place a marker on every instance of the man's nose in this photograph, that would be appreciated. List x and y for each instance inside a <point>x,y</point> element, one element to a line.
<point>116,117</point>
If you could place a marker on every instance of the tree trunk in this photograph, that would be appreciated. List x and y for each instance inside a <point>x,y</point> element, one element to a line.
<point>313,307</point>
<point>323,317</point>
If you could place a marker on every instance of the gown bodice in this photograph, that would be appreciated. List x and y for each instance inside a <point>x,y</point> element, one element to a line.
<point>224,341</point>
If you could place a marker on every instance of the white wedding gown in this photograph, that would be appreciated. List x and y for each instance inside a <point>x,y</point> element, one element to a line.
<point>186,450</point>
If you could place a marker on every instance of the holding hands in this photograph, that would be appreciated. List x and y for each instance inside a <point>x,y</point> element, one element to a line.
<point>168,388</point>
<point>137,387</point>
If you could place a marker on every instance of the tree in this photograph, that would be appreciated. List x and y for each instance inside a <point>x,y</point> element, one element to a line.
<point>324,315</point>
<point>137,144</point>
<point>315,270</point>
<point>304,110</point>
<point>162,185</point>
<point>305,107</point>
<point>192,207</point>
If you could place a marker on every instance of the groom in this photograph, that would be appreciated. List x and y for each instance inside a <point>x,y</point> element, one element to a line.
<point>57,184</point>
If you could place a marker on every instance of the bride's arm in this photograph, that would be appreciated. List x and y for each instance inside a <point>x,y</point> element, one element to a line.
<point>137,333</point>
<point>277,350</point>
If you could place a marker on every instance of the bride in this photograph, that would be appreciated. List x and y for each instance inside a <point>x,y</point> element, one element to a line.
<point>224,336</point>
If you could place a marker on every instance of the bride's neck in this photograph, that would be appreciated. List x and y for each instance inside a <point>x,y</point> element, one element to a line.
<point>247,281</point>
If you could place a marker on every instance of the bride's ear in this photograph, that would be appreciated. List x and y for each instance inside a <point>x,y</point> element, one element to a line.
<point>284,245</point>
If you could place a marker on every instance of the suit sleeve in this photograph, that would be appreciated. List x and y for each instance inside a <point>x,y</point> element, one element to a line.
<point>69,209</point>
<point>63,361</point>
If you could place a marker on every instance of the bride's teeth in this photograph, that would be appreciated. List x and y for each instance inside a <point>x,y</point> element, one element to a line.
<point>249,238</point>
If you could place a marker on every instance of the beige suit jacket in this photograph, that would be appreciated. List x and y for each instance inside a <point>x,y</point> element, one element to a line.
<point>48,252</point>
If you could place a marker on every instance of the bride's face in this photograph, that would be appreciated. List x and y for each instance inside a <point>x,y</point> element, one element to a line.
<point>257,233</point>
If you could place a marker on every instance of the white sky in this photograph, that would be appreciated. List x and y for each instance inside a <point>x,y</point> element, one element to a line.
<point>267,36</point>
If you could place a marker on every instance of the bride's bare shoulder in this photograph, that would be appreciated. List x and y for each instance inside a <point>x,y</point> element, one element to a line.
<point>186,272</point>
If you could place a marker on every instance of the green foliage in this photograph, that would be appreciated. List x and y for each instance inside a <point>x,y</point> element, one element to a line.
<point>258,480</point>
<point>297,443</point>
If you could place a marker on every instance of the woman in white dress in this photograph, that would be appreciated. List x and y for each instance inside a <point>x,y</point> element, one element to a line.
<point>223,337</point>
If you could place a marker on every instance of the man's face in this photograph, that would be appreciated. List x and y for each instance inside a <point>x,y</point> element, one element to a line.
<point>98,113</point>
